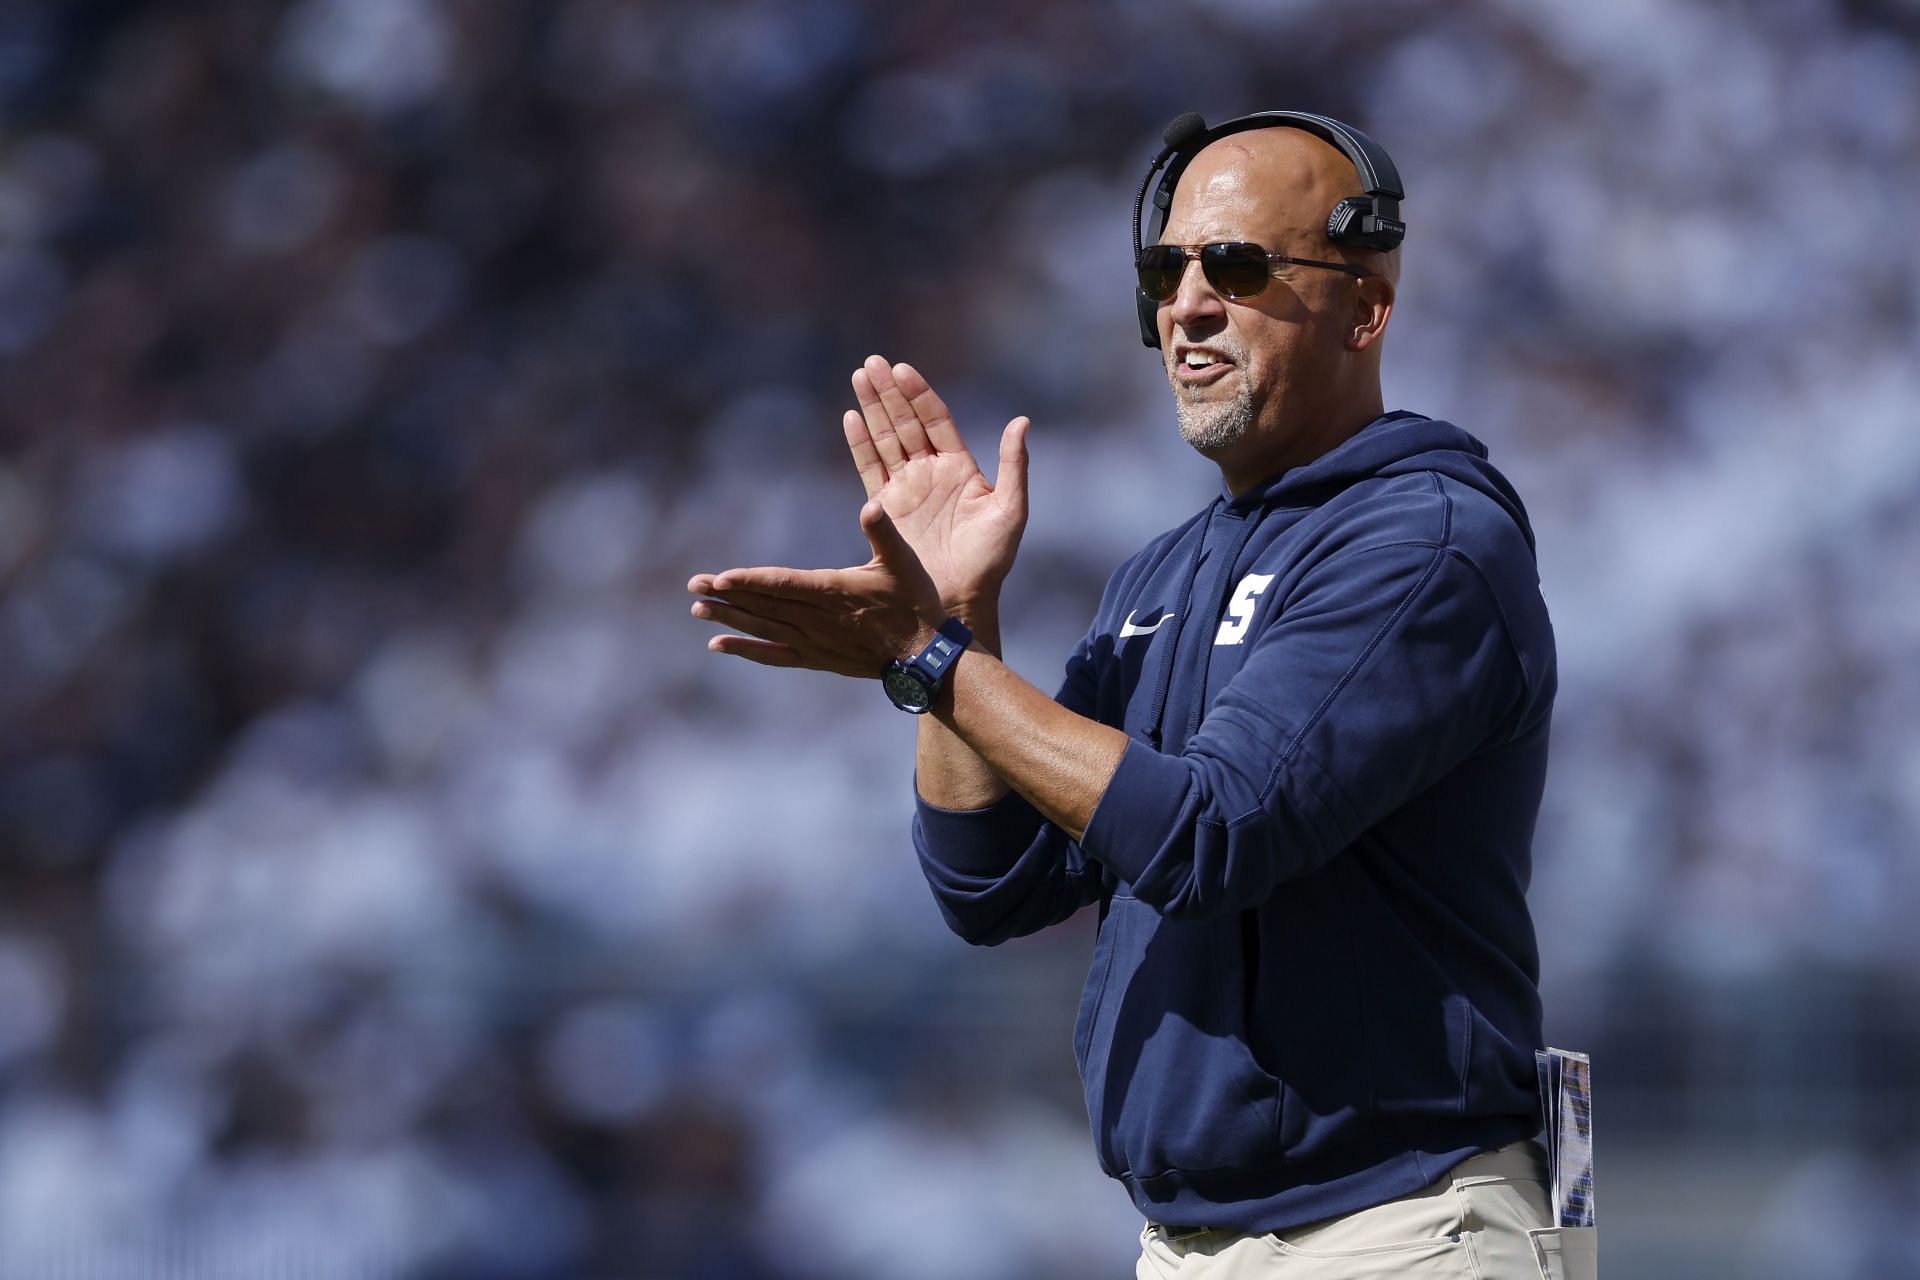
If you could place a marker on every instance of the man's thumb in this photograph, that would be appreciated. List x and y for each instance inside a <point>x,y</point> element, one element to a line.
<point>888,546</point>
<point>1011,483</point>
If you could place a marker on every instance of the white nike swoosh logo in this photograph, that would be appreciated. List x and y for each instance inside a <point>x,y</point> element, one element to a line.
<point>1128,629</point>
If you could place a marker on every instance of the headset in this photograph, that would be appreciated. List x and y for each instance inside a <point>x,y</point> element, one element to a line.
<point>1371,221</point>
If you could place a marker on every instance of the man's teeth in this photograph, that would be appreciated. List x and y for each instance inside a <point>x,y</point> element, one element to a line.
<point>1198,360</point>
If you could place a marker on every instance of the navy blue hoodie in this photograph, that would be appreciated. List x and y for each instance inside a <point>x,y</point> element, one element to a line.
<point>1315,986</point>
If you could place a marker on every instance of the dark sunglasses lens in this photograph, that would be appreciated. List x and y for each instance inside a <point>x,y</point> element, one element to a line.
<point>1160,268</point>
<point>1238,269</point>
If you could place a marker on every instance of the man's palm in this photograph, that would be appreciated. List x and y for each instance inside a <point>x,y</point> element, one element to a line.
<point>912,459</point>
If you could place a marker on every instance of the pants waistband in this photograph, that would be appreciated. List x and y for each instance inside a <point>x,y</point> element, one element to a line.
<point>1525,1160</point>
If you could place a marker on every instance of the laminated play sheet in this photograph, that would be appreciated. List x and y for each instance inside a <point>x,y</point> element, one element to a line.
<point>1566,1122</point>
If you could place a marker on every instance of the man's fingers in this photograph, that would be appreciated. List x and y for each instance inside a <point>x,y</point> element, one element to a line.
<point>798,611</point>
<point>906,422</point>
<point>751,621</point>
<point>879,425</point>
<point>930,409</point>
<point>866,458</point>
<point>772,580</point>
<point>1011,484</point>
<point>771,653</point>
<point>768,653</point>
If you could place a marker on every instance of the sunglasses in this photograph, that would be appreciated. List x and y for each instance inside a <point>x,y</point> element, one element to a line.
<point>1235,268</point>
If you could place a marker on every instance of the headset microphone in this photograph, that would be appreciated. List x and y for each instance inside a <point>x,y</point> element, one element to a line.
<point>1371,221</point>
<point>1184,129</point>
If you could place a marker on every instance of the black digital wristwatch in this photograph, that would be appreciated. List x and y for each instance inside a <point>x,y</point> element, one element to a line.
<point>913,683</point>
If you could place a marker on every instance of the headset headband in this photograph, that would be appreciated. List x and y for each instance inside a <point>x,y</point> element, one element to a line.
<point>1371,221</point>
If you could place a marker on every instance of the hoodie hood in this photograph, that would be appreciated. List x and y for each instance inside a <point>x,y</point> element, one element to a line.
<point>1393,444</point>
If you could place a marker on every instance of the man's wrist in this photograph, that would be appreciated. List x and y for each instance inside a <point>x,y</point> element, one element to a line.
<point>921,638</point>
<point>981,615</point>
<point>914,683</point>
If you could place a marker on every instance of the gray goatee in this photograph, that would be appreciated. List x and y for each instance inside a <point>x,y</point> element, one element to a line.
<point>1214,424</point>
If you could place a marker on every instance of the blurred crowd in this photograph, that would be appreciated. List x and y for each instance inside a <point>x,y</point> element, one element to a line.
<point>391,884</point>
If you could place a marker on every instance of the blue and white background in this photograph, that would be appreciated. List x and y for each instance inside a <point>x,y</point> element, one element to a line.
<point>392,885</point>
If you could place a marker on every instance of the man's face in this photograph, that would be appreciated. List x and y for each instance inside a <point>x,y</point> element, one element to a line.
<point>1249,374</point>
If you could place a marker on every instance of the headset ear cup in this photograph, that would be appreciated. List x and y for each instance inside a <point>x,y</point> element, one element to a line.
<point>1148,310</point>
<point>1343,224</point>
<point>1358,220</point>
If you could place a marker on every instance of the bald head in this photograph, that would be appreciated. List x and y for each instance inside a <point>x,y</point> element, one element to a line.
<point>1292,173</point>
<point>1269,379</point>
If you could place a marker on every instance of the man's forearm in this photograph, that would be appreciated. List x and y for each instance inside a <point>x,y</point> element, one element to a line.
<point>948,772</point>
<point>1017,736</point>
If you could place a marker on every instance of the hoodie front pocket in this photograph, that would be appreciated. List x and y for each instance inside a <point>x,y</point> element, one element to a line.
<point>1171,1083</point>
<point>1098,970</point>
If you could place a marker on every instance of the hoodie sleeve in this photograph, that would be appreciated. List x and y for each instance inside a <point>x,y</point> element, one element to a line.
<point>1004,871</point>
<point>1383,669</point>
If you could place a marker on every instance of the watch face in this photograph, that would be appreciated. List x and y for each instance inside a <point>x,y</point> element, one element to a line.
<point>907,689</point>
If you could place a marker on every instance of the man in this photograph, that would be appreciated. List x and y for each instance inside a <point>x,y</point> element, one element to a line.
<point>1296,760</point>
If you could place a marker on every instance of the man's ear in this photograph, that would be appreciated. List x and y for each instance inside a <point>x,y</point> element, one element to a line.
<point>1372,307</point>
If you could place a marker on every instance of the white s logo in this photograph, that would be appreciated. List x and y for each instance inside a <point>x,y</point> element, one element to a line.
<point>1233,627</point>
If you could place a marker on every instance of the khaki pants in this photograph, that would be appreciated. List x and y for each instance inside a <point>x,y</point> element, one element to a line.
<point>1485,1220</point>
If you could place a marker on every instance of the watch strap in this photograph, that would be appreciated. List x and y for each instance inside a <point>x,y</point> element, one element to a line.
<point>941,652</point>
<point>913,683</point>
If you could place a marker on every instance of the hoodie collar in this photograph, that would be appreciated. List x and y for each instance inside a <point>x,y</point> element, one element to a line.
<point>1389,438</point>
<point>1392,444</point>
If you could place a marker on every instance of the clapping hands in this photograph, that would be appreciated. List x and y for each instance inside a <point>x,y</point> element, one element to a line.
<point>943,541</point>
<point>912,460</point>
